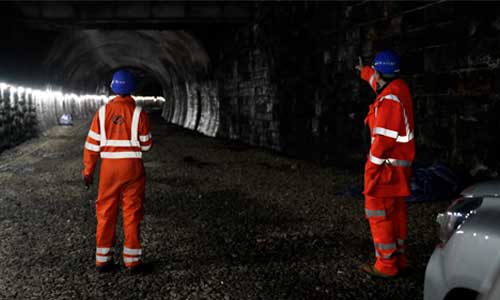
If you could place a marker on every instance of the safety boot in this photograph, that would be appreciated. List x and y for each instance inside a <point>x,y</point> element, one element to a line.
<point>108,267</point>
<point>370,270</point>
<point>142,268</point>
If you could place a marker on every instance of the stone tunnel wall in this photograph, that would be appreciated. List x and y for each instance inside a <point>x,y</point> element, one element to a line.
<point>23,114</point>
<point>286,81</point>
<point>193,105</point>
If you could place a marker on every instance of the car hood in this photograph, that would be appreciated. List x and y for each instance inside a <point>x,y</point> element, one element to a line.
<point>482,189</point>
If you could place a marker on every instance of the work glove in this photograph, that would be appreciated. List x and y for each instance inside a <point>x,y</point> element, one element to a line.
<point>87,179</point>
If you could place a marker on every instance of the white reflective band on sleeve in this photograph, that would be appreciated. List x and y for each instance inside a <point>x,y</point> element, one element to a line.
<point>135,123</point>
<point>390,97</point>
<point>103,251</point>
<point>95,136</point>
<point>102,120</point>
<point>390,161</point>
<point>92,147</point>
<point>145,148</point>
<point>375,213</point>
<point>121,143</point>
<point>116,155</point>
<point>371,79</point>
<point>130,251</point>
<point>102,259</point>
<point>145,138</point>
<point>131,259</point>
<point>390,246</point>
<point>385,132</point>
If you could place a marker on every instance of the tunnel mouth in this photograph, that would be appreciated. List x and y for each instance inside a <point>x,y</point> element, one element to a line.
<point>169,63</point>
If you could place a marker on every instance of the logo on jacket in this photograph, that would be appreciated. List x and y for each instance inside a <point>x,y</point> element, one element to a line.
<point>118,120</point>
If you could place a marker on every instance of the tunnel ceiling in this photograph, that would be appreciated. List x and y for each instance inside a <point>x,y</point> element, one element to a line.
<point>77,56</point>
<point>126,14</point>
<point>159,40</point>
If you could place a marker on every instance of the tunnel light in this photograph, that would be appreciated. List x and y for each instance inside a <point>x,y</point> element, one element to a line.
<point>49,95</point>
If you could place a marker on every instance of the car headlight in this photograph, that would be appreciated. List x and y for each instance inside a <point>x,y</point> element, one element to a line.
<point>455,215</point>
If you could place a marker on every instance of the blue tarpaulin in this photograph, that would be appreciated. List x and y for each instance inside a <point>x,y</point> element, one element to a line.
<point>434,183</point>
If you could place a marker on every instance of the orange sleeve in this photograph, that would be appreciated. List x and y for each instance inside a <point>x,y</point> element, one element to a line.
<point>145,137</point>
<point>368,74</point>
<point>92,147</point>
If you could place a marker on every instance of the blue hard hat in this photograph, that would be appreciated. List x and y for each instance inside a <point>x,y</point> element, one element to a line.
<point>386,62</point>
<point>123,82</point>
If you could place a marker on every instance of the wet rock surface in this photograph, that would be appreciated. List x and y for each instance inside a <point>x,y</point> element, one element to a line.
<point>219,224</point>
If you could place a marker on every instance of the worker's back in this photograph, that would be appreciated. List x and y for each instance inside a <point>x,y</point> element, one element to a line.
<point>122,127</point>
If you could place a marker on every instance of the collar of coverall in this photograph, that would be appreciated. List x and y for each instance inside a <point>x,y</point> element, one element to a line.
<point>387,83</point>
<point>119,98</point>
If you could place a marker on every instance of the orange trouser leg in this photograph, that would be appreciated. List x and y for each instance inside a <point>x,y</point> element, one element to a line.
<point>133,210</point>
<point>400,220</point>
<point>380,213</point>
<point>106,212</point>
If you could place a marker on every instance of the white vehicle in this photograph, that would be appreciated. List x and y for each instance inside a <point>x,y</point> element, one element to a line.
<point>466,265</point>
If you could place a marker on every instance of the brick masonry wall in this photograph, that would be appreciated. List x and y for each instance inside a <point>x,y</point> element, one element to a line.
<point>286,81</point>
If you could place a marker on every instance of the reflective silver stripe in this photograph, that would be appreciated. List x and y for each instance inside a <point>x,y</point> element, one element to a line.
<point>95,136</point>
<point>92,147</point>
<point>401,242</point>
<point>385,132</point>
<point>145,138</point>
<point>121,143</point>
<point>133,142</point>
<point>371,79</point>
<point>389,246</point>
<point>384,256</point>
<point>126,154</point>
<point>391,97</point>
<point>102,119</point>
<point>130,251</point>
<point>409,135</point>
<point>103,259</point>
<point>375,213</point>
<point>103,251</point>
<point>135,124</point>
<point>398,162</point>
<point>376,160</point>
<point>390,161</point>
<point>405,139</point>
<point>131,259</point>
<point>145,148</point>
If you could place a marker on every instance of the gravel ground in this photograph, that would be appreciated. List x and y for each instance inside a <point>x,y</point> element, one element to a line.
<point>222,221</point>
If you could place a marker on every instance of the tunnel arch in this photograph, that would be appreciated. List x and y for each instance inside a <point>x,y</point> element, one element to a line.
<point>84,60</point>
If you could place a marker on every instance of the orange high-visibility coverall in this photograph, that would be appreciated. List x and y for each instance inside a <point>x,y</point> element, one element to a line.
<point>118,134</point>
<point>388,171</point>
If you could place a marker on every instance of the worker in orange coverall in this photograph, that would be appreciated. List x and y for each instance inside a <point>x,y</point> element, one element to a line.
<point>119,133</point>
<point>388,165</point>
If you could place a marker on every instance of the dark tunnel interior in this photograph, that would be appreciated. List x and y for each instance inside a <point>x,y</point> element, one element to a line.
<point>258,115</point>
<point>273,75</point>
